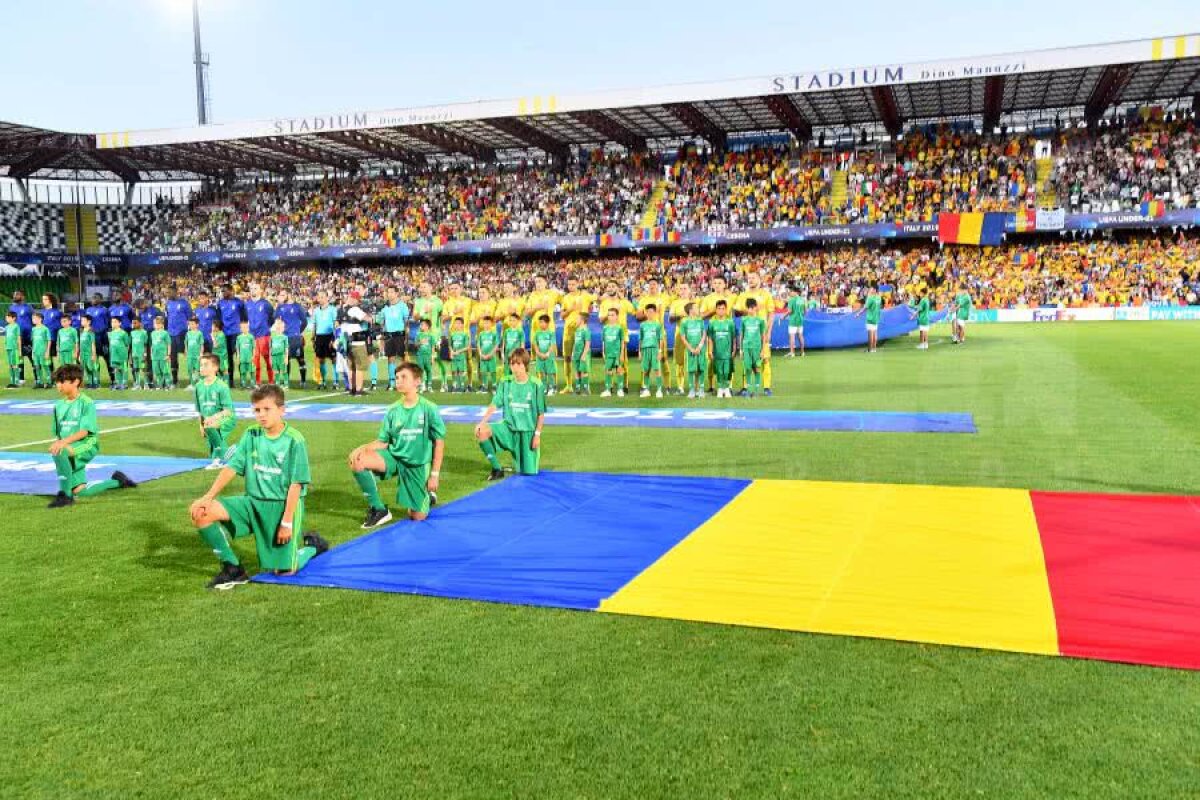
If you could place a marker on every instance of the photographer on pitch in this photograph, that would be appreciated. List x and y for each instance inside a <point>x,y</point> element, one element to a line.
<point>355,323</point>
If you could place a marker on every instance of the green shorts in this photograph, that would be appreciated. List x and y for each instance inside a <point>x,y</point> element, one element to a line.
<point>458,364</point>
<point>582,365</point>
<point>752,359</point>
<point>722,366</point>
<point>546,366</point>
<point>611,362</point>
<point>650,360</point>
<point>412,483</point>
<point>249,515</point>
<point>81,456</point>
<point>696,362</point>
<point>487,366</point>
<point>525,458</point>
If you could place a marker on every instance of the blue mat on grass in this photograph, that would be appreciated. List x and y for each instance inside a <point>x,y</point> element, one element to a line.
<point>33,473</point>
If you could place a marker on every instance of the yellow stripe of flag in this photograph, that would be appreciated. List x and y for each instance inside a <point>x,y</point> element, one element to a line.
<point>970,228</point>
<point>1180,46</point>
<point>1156,50</point>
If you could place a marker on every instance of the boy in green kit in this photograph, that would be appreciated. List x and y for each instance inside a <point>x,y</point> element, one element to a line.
<point>873,308</point>
<point>160,354</point>
<point>118,355</point>
<point>695,343</point>
<point>77,441</point>
<point>68,343</point>
<point>39,353</point>
<point>220,348</point>
<point>753,340</point>
<point>652,336</point>
<point>214,404</point>
<point>581,359</point>
<point>487,343</point>
<point>921,310</point>
<point>425,344</point>
<point>193,347</point>
<point>409,448</point>
<point>87,353</point>
<point>512,339</point>
<point>139,345</point>
<point>279,355</point>
<point>522,401</point>
<point>12,348</point>
<point>720,348</point>
<point>545,353</point>
<point>273,458</point>
<point>245,354</point>
<point>460,347</point>
<point>612,343</point>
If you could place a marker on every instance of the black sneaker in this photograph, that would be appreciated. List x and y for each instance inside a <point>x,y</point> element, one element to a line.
<point>496,475</point>
<point>231,575</point>
<point>432,499</point>
<point>61,500</point>
<point>124,480</point>
<point>316,541</point>
<point>376,517</point>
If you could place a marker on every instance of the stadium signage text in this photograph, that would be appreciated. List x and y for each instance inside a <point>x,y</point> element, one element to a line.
<point>835,79</point>
<point>332,122</point>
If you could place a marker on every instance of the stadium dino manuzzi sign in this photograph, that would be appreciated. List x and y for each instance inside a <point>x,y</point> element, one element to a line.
<point>899,73</point>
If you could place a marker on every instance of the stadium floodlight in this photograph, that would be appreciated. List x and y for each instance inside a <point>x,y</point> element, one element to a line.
<point>201,61</point>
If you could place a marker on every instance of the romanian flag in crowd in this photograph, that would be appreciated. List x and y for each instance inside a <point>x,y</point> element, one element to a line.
<point>979,229</point>
<point>604,240</point>
<point>674,236</point>
<point>1026,220</point>
<point>647,234</point>
<point>1154,208</point>
<point>1024,258</point>
<point>389,238</point>
<point>438,241</point>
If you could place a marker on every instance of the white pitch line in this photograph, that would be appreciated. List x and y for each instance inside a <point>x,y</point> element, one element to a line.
<point>155,422</point>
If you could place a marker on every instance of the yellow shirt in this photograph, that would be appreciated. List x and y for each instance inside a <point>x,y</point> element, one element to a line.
<point>481,309</point>
<point>764,298</point>
<point>576,305</point>
<point>678,308</point>
<point>624,309</point>
<point>456,307</point>
<point>708,306</point>
<point>543,302</point>
<point>661,300</point>
<point>508,305</point>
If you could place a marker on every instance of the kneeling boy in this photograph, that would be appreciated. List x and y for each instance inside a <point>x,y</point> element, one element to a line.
<point>77,441</point>
<point>522,400</point>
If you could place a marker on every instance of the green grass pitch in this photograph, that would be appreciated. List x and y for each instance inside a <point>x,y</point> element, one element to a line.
<point>120,676</point>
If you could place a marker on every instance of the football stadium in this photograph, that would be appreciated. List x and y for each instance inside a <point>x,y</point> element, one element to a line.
<point>865,394</point>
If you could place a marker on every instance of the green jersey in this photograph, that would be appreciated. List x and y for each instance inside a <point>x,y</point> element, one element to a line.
<point>40,339</point>
<point>138,341</point>
<point>87,347</point>
<point>460,341</point>
<point>651,335</point>
<point>797,307</point>
<point>521,403</point>
<point>721,333</point>
<point>583,343</point>
<point>512,338</point>
<point>160,344</point>
<point>612,339</point>
<point>752,333</point>
<point>118,345</point>
<point>429,308</point>
<point>922,309</point>
<point>963,303</point>
<point>245,347</point>
<point>692,330</point>
<point>12,338</point>
<point>75,415</point>
<point>68,343</point>
<point>486,341</point>
<point>410,432</point>
<point>269,465</point>
<point>873,305</point>
<point>543,342</point>
<point>214,397</point>
<point>193,345</point>
<point>279,345</point>
<point>425,344</point>
<point>220,348</point>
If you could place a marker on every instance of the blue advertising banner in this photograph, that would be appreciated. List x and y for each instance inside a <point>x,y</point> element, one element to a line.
<point>33,473</point>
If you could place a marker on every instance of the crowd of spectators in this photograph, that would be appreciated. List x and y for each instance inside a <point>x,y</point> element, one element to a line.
<point>1088,272</point>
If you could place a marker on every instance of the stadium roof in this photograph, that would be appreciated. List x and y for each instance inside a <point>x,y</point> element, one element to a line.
<point>1085,80</point>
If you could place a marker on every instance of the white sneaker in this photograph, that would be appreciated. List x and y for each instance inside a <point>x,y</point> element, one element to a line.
<point>215,464</point>
<point>658,394</point>
<point>699,395</point>
<point>620,392</point>
<point>606,393</point>
<point>645,393</point>
<point>550,393</point>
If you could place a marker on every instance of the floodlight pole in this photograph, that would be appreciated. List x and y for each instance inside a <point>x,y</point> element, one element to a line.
<point>201,63</point>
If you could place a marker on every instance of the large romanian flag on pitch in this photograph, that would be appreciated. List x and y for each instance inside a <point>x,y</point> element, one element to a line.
<point>986,229</point>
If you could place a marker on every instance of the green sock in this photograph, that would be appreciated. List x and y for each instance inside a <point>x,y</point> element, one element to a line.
<point>370,488</point>
<point>214,536</point>
<point>489,450</point>
<point>98,488</point>
<point>62,465</point>
<point>216,442</point>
